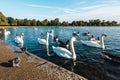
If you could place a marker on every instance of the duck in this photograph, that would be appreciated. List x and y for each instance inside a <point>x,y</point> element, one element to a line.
<point>56,38</point>
<point>16,61</point>
<point>63,44</point>
<point>76,33</point>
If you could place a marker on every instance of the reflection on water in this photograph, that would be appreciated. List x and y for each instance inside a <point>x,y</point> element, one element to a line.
<point>4,34</point>
<point>47,49</point>
<point>1,34</point>
<point>90,63</point>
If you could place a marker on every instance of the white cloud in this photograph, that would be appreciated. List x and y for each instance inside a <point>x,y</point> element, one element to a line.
<point>37,6</point>
<point>92,7</point>
<point>81,3</point>
<point>106,11</point>
<point>66,10</point>
<point>107,1</point>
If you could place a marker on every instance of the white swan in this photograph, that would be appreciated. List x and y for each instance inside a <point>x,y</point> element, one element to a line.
<point>35,29</point>
<point>52,34</point>
<point>43,41</point>
<point>63,52</point>
<point>19,39</point>
<point>94,43</point>
<point>6,32</point>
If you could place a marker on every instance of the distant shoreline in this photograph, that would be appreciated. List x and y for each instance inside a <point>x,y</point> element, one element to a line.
<point>10,21</point>
<point>50,26</point>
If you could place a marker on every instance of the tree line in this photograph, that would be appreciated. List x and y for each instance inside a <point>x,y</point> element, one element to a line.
<point>9,21</point>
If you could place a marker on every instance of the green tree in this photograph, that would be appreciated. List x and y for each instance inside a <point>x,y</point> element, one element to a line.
<point>55,22</point>
<point>65,23</point>
<point>45,23</point>
<point>114,23</point>
<point>27,22</point>
<point>10,20</point>
<point>3,20</point>
<point>15,22</point>
<point>38,23</point>
<point>33,22</point>
<point>74,23</point>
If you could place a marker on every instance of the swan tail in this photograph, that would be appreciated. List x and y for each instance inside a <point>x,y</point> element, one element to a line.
<point>53,47</point>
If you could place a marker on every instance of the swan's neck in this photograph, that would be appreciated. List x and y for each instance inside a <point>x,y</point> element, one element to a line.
<point>103,45</point>
<point>72,50</point>
<point>52,36</point>
<point>47,38</point>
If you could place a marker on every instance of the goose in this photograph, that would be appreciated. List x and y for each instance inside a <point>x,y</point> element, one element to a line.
<point>63,52</point>
<point>95,43</point>
<point>43,41</point>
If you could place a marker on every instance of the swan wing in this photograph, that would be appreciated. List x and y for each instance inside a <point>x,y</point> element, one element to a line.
<point>91,43</point>
<point>62,52</point>
<point>19,40</point>
<point>41,41</point>
<point>7,32</point>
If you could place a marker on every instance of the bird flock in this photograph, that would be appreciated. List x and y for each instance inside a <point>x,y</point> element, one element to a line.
<point>64,49</point>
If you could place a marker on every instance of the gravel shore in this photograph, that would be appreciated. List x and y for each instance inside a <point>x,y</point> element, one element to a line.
<point>26,71</point>
<point>31,67</point>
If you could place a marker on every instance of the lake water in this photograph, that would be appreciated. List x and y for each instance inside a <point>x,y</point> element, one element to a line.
<point>89,63</point>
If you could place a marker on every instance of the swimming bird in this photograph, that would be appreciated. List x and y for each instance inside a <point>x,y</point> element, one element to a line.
<point>42,35</point>
<point>63,52</point>
<point>19,39</point>
<point>56,39</point>
<point>51,33</point>
<point>35,29</point>
<point>63,44</point>
<point>44,41</point>
<point>95,43</point>
<point>22,34</point>
<point>6,32</point>
<point>88,35</point>
<point>76,33</point>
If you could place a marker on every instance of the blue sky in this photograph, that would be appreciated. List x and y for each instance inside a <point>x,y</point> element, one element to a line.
<point>65,10</point>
